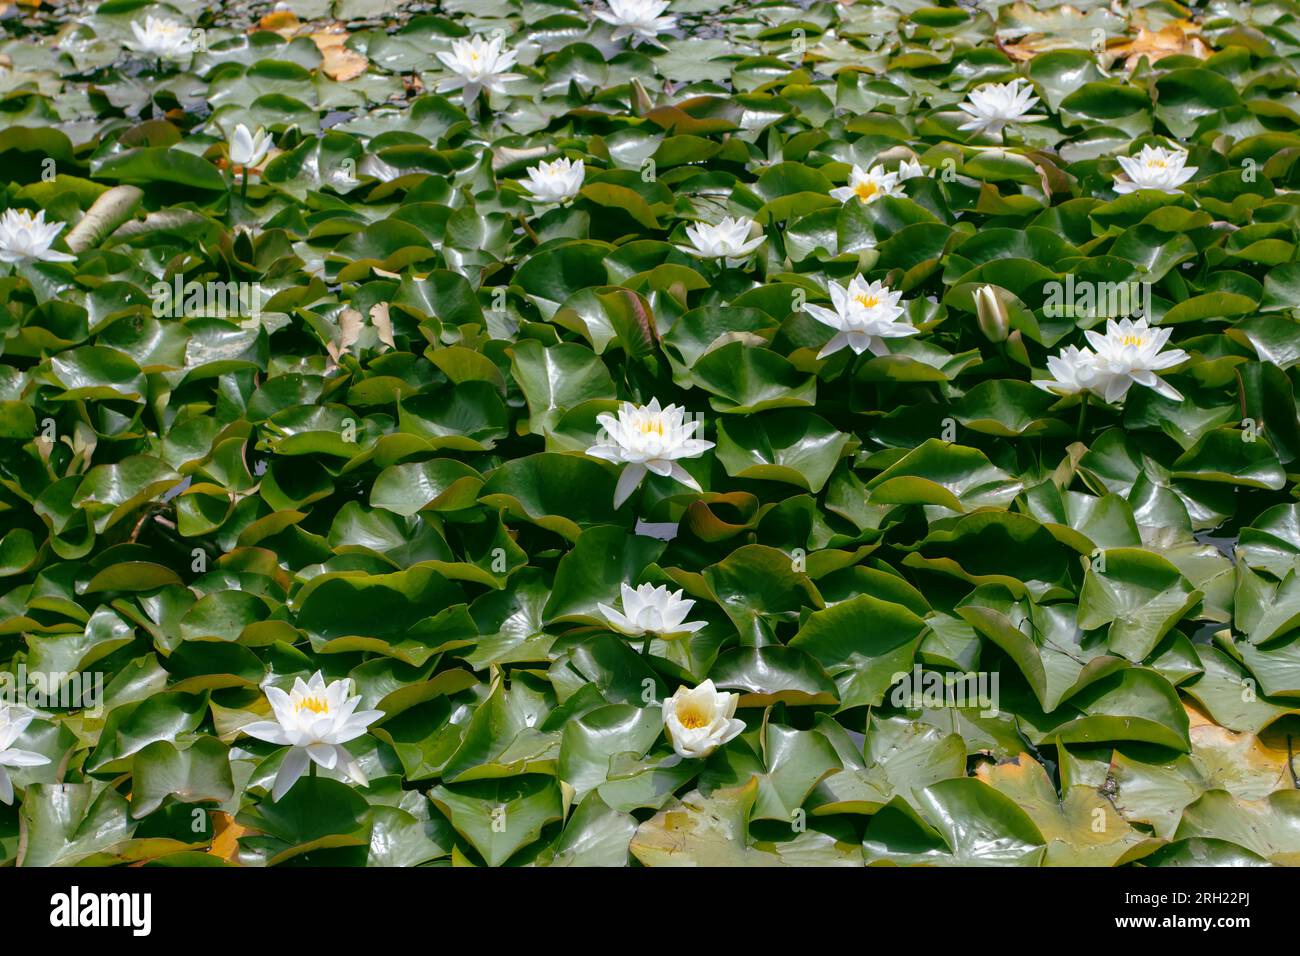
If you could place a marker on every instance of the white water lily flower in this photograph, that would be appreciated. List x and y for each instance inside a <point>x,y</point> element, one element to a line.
<point>700,721</point>
<point>867,185</point>
<point>1073,371</point>
<point>315,720</point>
<point>13,721</point>
<point>910,169</point>
<point>1130,352</point>
<point>651,610</point>
<point>248,149</point>
<point>27,238</point>
<point>479,64</point>
<point>729,239</point>
<point>642,20</point>
<point>647,438</point>
<point>1154,168</point>
<point>161,38</point>
<point>994,105</point>
<point>555,182</point>
<point>864,315</point>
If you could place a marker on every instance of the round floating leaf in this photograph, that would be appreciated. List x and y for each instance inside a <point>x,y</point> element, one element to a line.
<point>498,817</point>
<point>1139,594</point>
<point>199,773</point>
<point>788,446</point>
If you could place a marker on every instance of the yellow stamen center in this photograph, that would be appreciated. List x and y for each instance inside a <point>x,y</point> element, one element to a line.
<point>692,719</point>
<point>317,705</point>
<point>1134,340</point>
<point>865,189</point>
<point>867,301</point>
<point>1156,164</point>
<point>652,425</point>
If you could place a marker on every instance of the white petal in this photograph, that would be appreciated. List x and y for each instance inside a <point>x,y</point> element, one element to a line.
<point>352,767</point>
<point>268,730</point>
<point>1168,391</point>
<point>824,315</point>
<point>1117,387</point>
<point>684,476</point>
<point>293,767</point>
<point>324,754</point>
<point>23,758</point>
<point>838,341</point>
<point>618,621</point>
<point>628,482</point>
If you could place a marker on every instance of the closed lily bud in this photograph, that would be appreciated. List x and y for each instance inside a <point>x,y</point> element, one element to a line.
<point>1016,350</point>
<point>992,314</point>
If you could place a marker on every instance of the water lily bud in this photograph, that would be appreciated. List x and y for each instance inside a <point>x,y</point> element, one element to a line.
<point>1016,350</point>
<point>247,149</point>
<point>992,314</point>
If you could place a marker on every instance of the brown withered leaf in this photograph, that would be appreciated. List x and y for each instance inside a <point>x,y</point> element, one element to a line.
<point>1024,50</point>
<point>283,22</point>
<point>383,324</point>
<point>225,844</point>
<point>340,63</point>
<point>1179,37</point>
